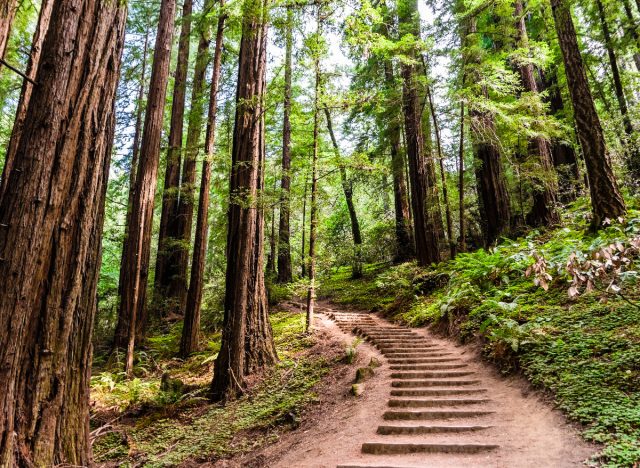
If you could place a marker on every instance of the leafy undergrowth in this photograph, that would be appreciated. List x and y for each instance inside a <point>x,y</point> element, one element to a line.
<point>137,423</point>
<point>561,306</point>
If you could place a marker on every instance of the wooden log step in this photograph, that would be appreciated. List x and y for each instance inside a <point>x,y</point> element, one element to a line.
<point>436,403</point>
<point>417,430</point>
<point>432,383</point>
<point>405,415</point>
<point>429,375</point>
<point>437,392</point>
<point>380,448</point>
<point>418,367</point>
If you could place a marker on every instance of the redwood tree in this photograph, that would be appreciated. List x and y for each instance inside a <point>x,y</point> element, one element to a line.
<point>51,218</point>
<point>27,87</point>
<point>7,13</point>
<point>170,289</point>
<point>633,152</point>
<point>493,198</point>
<point>285,274</point>
<point>247,341</point>
<point>191,327</point>
<point>544,211</point>
<point>424,226</point>
<point>135,271</point>
<point>606,201</point>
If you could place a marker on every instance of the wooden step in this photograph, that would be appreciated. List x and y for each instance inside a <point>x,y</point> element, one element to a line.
<point>380,448</point>
<point>429,375</point>
<point>433,383</point>
<point>431,403</point>
<point>404,415</point>
<point>437,392</point>
<point>422,360</point>
<point>419,367</point>
<point>417,430</point>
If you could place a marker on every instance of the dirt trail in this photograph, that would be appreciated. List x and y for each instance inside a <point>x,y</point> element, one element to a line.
<point>432,403</point>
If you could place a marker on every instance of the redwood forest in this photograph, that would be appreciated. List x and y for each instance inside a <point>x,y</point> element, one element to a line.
<point>319,233</point>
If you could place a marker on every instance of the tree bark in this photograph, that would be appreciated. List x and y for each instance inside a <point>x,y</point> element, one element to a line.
<point>347,189</point>
<point>51,219</point>
<point>544,211</point>
<point>133,278</point>
<point>463,234</point>
<point>493,198</point>
<point>303,266</point>
<point>8,10</point>
<point>606,201</point>
<point>169,290</point>
<point>633,30</point>
<point>285,274</point>
<point>247,342</point>
<point>191,327</point>
<point>313,222</point>
<point>404,249</point>
<point>183,223</point>
<point>564,156</point>
<point>425,231</point>
<point>443,179</point>
<point>44,19</point>
<point>633,153</point>
<point>122,334</point>
<point>271,258</point>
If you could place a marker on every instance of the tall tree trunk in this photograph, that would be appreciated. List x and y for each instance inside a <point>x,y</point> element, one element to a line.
<point>168,291</point>
<point>133,277</point>
<point>51,219</point>
<point>247,342</point>
<point>8,10</point>
<point>347,189</point>
<point>493,198</point>
<point>191,327</point>
<point>606,201</point>
<point>564,156</point>
<point>404,249</point>
<point>271,258</point>
<point>633,30</point>
<point>285,274</point>
<point>313,222</point>
<point>303,266</point>
<point>543,211</point>
<point>633,153</point>
<point>425,230</point>
<point>463,234</point>
<point>44,19</point>
<point>121,337</point>
<point>183,223</point>
<point>443,179</point>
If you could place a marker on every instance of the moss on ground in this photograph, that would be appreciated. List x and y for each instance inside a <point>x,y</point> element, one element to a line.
<point>159,429</point>
<point>585,349</point>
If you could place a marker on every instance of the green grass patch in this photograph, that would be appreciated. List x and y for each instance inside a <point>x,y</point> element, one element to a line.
<point>174,430</point>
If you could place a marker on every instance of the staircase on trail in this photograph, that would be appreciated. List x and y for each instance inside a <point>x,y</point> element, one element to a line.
<point>436,408</point>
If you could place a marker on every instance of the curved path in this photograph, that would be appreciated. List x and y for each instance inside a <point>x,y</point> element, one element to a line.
<point>432,403</point>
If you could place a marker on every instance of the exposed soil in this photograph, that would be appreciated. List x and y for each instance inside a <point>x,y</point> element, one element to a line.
<point>528,431</point>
